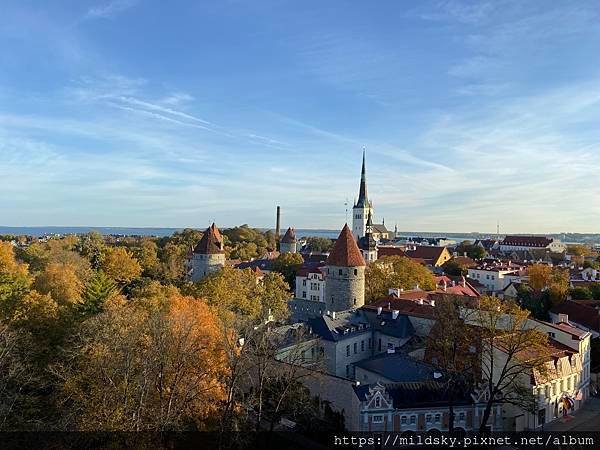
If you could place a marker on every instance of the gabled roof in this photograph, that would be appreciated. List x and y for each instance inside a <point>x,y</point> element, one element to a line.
<point>345,252</point>
<point>426,252</point>
<point>289,237</point>
<point>380,228</point>
<point>527,241</point>
<point>209,244</point>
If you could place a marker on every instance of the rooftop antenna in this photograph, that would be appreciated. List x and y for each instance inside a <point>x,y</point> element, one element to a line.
<point>498,230</point>
<point>346,205</point>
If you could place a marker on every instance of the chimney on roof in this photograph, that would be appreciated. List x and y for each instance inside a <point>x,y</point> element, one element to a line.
<point>395,313</point>
<point>563,318</point>
<point>420,301</point>
<point>389,305</point>
<point>453,283</point>
<point>463,281</point>
<point>333,315</point>
<point>445,286</point>
<point>379,309</point>
<point>277,225</point>
<point>432,302</point>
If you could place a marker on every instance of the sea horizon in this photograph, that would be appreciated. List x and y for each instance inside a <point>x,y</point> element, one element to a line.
<point>39,231</point>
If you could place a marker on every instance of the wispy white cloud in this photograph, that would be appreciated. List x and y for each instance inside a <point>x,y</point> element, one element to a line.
<point>110,9</point>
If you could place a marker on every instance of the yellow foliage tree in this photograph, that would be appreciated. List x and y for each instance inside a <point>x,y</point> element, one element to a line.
<point>395,272</point>
<point>147,368</point>
<point>120,265</point>
<point>61,282</point>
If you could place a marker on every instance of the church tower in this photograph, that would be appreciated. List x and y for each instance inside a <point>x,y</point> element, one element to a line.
<point>345,274</point>
<point>367,243</point>
<point>363,207</point>
<point>208,256</point>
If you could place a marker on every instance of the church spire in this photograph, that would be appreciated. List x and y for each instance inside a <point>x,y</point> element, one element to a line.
<point>363,199</point>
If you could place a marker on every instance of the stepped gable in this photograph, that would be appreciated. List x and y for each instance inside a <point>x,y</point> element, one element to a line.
<point>345,252</point>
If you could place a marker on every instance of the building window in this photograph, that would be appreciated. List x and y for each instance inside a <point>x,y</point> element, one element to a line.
<point>413,420</point>
<point>355,271</point>
<point>355,301</point>
<point>347,350</point>
<point>355,348</point>
<point>378,402</point>
<point>461,417</point>
<point>378,419</point>
<point>437,418</point>
<point>362,346</point>
<point>379,344</point>
<point>303,282</point>
<point>303,294</point>
<point>340,271</point>
<point>390,346</point>
<point>347,371</point>
<point>403,420</point>
<point>428,418</point>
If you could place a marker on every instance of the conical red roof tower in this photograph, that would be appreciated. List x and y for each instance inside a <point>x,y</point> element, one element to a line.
<point>345,252</point>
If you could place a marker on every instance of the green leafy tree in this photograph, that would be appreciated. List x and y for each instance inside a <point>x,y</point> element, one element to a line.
<point>471,250</point>
<point>287,264</point>
<point>395,272</point>
<point>319,244</point>
<point>92,246</point>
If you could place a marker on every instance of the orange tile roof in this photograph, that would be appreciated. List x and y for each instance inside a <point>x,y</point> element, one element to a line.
<point>345,252</point>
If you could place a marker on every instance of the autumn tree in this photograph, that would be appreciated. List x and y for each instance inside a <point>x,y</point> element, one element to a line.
<point>14,279</point>
<point>61,282</point>
<point>19,381</point>
<point>241,293</point>
<point>452,346</point>
<point>554,280</point>
<point>120,265</point>
<point>512,349</point>
<point>287,265</point>
<point>138,368</point>
<point>395,272</point>
<point>147,255</point>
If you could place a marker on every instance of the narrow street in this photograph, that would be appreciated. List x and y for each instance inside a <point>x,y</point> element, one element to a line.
<point>586,419</point>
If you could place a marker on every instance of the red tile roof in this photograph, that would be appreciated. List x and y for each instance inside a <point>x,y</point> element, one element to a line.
<point>390,251</point>
<point>217,233</point>
<point>209,244</point>
<point>345,252</point>
<point>527,241</point>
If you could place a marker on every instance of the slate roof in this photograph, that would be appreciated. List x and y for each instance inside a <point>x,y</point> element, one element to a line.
<point>345,252</point>
<point>397,367</point>
<point>346,324</point>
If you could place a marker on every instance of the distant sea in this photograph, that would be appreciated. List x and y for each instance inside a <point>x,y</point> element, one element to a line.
<point>589,238</point>
<point>160,232</point>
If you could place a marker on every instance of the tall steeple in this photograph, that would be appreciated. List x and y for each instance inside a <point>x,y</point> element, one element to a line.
<point>363,207</point>
<point>363,198</point>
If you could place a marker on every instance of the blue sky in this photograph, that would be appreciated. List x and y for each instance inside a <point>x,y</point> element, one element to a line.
<point>154,113</point>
